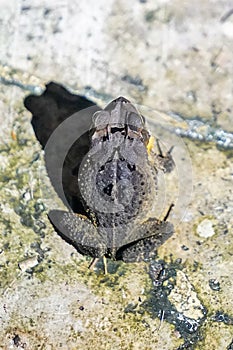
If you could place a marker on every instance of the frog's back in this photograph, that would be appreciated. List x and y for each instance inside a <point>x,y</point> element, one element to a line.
<point>116,179</point>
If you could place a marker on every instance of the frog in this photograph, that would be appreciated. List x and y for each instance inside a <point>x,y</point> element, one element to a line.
<point>117,181</point>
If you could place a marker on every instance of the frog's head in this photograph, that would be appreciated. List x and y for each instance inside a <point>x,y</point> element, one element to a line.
<point>120,115</point>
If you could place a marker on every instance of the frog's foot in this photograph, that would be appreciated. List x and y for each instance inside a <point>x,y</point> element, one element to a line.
<point>153,234</point>
<point>79,231</point>
<point>165,161</point>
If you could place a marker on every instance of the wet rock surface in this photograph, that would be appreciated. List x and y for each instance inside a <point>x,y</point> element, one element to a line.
<point>181,299</point>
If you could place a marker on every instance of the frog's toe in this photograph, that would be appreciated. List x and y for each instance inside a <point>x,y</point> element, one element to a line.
<point>166,163</point>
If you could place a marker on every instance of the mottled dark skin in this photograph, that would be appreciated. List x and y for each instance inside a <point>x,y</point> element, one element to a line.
<point>117,183</point>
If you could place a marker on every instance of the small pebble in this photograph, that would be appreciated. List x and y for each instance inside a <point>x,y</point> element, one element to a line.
<point>184,247</point>
<point>205,229</point>
<point>28,263</point>
<point>214,285</point>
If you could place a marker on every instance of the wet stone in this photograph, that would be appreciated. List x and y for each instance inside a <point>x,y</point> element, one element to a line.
<point>223,317</point>
<point>214,285</point>
<point>185,299</point>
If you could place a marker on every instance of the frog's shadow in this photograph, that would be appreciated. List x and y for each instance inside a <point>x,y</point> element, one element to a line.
<point>49,110</point>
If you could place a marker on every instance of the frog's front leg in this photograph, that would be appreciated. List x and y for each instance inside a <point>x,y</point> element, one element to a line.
<point>165,161</point>
<point>155,233</point>
<point>79,231</point>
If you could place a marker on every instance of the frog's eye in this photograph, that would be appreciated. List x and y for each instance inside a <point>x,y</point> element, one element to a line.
<point>135,121</point>
<point>100,119</point>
